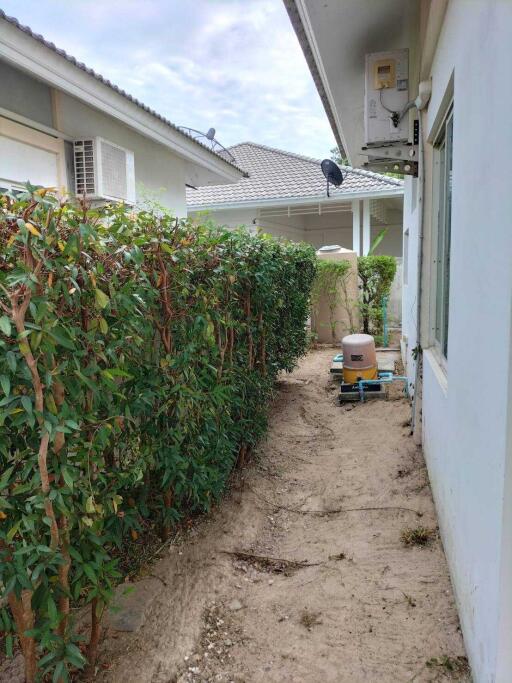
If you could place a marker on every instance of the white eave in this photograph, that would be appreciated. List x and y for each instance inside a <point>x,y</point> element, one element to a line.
<point>335,37</point>
<point>298,201</point>
<point>29,53</point>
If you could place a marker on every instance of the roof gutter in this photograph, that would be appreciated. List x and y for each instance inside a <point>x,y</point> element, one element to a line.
<point>301,201</point>
<point>31,54</point>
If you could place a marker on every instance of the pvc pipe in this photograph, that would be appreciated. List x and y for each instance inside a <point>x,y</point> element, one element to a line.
<point>384,378</point>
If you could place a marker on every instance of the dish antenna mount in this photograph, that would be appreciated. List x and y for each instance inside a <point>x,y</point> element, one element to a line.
<point>209,140</point>
<point>332,173</point>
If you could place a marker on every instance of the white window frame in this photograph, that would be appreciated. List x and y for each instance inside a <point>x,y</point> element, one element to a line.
<point>35,138</point>
<point>441,244</point>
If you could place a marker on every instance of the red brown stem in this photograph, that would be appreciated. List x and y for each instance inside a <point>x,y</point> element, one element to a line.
<point>250,343</point>
<point>263,355</point>
<point>18,315</point>
<point>166,527</point>
<point>23,615</point>
<point>64,577</point>
<point>94,640</point>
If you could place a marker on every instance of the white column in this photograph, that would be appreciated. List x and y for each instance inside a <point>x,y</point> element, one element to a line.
<point>356,227</point>
<point>366,226</point>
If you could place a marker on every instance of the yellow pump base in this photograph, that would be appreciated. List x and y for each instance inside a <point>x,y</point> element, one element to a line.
<point>352,375</point>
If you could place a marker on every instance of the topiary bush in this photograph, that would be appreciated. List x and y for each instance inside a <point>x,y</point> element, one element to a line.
<point>376,275</point>
<point>138,355</point>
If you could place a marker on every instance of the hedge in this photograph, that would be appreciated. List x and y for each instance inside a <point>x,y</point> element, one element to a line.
<point>376,275</point>
<point>138,355</point>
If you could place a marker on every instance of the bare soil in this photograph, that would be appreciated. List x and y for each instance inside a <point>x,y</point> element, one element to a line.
<point>315,568</point>
<point>301,575</point>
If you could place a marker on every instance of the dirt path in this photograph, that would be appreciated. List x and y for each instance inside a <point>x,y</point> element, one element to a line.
<point>362,608</point>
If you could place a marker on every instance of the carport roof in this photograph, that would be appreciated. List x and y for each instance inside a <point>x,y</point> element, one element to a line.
<point>276,176</point>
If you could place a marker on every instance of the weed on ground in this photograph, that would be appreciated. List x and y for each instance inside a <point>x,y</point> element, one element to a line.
<point>419,535</point>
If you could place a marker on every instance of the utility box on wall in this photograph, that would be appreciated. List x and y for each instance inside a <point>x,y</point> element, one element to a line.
<point>386,94</point>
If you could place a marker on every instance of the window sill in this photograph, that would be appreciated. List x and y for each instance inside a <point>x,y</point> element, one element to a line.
<point>432,356</point>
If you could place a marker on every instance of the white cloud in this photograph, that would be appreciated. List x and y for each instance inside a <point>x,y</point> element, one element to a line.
<point>232,64</point>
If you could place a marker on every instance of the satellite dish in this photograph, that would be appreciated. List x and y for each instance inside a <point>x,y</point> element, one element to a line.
<point>332,173</point>
<point>210,141</point>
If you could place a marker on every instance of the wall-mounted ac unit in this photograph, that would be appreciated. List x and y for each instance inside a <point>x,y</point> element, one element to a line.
<point>104,170</point>
<point>386,95</point>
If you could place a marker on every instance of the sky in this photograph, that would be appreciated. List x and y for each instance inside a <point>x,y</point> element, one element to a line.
<point>235,65</point>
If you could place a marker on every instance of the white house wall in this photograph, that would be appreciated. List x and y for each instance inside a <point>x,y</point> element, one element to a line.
<point>24,95</point>
<point>159,173</point>
<point>410,279</point>
<point>281,226</point>
<point>231,219</point>
<point>466,411</point>
<point>291,228</point>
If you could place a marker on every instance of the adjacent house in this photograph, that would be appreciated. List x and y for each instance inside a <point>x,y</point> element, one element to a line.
<point>285,195</point>
<point>63,125</point>
<point>425,83</point>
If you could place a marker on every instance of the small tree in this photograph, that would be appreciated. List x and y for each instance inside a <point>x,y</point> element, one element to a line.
<point>339,156</point>
<point>376,275</point>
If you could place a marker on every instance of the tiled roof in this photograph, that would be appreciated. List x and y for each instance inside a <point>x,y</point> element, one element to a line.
<point>275,174</point>
<point>40,39</point>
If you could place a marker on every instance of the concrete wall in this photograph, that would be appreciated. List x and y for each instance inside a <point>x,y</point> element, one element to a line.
<point>395,296</point>
<point>346,313</point>
<point>466,406</point>
<point>329,228</point>
<point>158,172</point>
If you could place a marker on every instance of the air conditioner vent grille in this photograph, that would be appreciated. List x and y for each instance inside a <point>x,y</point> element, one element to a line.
<point>113,170</point>
<point>104,171</point>
<point>84,167</point>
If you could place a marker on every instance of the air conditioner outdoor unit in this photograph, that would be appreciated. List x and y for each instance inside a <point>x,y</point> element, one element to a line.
<point>104,170</point>
<point>386,96</point>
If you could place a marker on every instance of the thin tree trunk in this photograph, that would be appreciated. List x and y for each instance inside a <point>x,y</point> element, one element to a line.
<point>24,619</point>
<point>166,527</point>
<point>94,640</point>
<point>64,577</point>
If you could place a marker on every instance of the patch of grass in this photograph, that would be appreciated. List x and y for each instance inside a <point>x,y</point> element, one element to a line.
<point>309,619</point>
<point>419,535</point>
<point>454,667</point>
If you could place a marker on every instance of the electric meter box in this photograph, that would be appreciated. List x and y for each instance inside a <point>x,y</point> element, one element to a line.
<point>386,93</point>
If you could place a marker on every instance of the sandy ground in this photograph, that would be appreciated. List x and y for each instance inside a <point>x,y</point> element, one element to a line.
<point>330,491</point>
<point>363,607</point>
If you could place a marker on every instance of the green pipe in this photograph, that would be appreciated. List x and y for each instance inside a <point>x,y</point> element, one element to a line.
<point>385,330</point>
